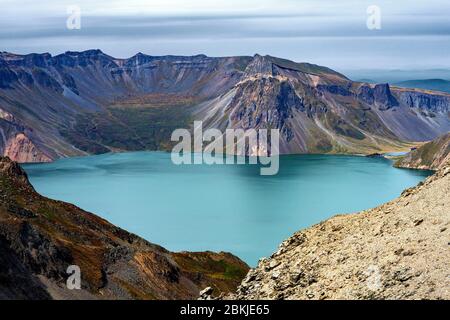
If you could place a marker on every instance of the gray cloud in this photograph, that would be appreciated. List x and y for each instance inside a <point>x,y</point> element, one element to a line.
<point>336,35</point>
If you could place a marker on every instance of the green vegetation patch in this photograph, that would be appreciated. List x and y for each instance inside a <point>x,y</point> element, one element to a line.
<point>343,128</point>
<point>221,271</point>
<point>128,128</point>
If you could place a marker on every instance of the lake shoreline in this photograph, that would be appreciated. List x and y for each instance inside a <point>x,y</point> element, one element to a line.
<point>251,199</point>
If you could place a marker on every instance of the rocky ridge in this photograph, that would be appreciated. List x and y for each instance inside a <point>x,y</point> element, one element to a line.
<point>429,156</point>
<point>399,250</point>
<point>80,103</point>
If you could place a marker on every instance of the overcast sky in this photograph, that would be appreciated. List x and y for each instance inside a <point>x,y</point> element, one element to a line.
<point>414,34</point>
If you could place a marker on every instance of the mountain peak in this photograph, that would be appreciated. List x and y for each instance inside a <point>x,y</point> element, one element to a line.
<point>86,53</point>
<point>92,52</point>
<point>31,59</point>
<point>260,65</point>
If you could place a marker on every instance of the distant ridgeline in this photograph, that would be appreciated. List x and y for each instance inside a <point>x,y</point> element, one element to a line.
<point>428,84</point>
<point>80,103</point>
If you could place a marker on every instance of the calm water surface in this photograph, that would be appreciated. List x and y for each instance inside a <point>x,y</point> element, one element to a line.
<point>220,208</point>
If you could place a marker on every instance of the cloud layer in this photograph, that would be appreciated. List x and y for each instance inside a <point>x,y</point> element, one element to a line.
<point>414,34</point>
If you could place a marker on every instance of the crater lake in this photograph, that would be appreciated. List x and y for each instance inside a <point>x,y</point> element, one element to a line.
<point>220,207</point>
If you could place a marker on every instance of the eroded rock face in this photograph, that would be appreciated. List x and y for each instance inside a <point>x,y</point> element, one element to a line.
<point>17,281</point>
<point>379,95</point>
<point>365,93</point>
<point>399,250</point>
<point>323,112</point>
<point>73,103</point>
<point>18,141</point>
<point>383,97</point>
<point>260,65</point>
<point>265,102</point>
<point>7,78</point>
<point>6,116</point>
<point>21,149</point>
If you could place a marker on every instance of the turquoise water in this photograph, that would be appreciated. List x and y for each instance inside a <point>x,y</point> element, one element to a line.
<point>220,208</point>
<point>395,154</point>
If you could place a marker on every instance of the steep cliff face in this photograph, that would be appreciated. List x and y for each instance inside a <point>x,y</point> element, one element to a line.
<point>399,250</point>
<point>320,111</point>
<point>22,149</point>
<point>40,238</point>
<point>430,156</point>
<point>15,142</point>
<point>87,102</point>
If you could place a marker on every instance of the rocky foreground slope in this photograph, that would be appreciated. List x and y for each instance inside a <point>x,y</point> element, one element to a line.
<point>40,238</point>
<point>80,103</point>
<point>430,156</point>
<point>400,250</point>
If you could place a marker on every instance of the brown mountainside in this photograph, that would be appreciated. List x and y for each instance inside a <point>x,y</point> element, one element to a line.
<point>40,238</point>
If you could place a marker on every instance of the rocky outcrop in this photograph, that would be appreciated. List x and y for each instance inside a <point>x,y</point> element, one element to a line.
<point>399,250</point>
<point>6,116</point>
<point>265,103</point>
<point>40,238</point>
<point>80,103</point>
<point>321,111</point>
<point>430,156</point>
<point>21,149</point>
<point>15,142</point>
<point>383,97</point>
<point>428,101</point>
